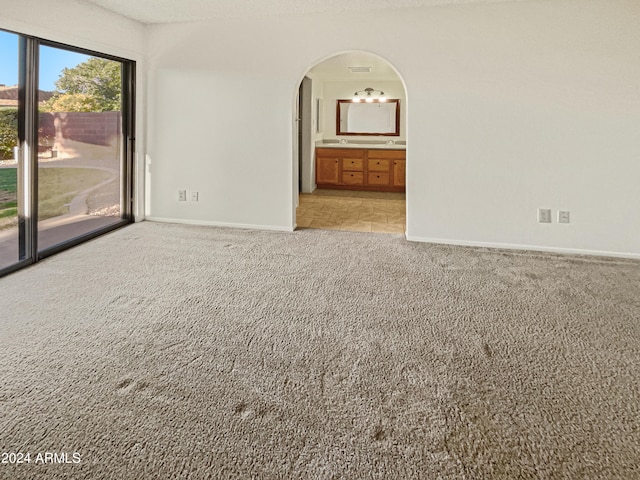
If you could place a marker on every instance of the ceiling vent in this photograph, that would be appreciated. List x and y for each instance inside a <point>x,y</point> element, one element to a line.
<point>359,69</point>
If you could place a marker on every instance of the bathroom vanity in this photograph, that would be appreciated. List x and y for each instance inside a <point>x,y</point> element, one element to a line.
<point>362,167</point>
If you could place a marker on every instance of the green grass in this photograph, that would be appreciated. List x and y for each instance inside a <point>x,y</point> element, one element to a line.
<point>8,180</point>
<point>57,187</point>
<point>8,209</point>
<point>8,201</point>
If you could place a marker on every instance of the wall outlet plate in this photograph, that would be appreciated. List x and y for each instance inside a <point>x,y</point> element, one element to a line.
<point>182,195</point>
<point>564,216</point>
<point>544,215</point>
<point>194,196</point>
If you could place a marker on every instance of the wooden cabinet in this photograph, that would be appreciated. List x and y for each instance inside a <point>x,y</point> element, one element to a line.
<point>352,178</point>
<point>360,169</point>
<point>399,169</point>
<point>378,165</point>
<point>327,170</point>
<point>378,178</point>
<point>353,164</point>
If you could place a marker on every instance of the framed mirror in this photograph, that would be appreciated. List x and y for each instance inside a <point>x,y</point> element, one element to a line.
<point>368,118</point>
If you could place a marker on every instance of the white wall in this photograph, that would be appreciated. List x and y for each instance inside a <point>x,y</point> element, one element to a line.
<point>87,26</point>
<point>510,107</point>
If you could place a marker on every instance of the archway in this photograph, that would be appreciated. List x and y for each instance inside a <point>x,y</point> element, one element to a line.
<point>375,173</point>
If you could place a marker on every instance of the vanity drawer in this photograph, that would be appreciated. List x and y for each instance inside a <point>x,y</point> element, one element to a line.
<point>378,165</point>
<point>353,164</point>
<point>375,178</point>
<point>353,178</point>
<point>393,154</point>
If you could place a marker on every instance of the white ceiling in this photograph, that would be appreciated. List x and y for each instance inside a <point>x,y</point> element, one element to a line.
<point>334,69</point>
<point>168,11</point>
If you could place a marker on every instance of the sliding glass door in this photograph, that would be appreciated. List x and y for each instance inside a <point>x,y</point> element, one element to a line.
<point>80,145</point>
<point>65,173</point>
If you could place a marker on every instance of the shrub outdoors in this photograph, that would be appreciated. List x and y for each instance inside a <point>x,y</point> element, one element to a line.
<point>8,131</point>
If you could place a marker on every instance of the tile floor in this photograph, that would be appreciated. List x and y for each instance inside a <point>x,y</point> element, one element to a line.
<point>352,211</point>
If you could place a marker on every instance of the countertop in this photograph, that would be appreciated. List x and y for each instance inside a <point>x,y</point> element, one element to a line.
<point>368,145</point>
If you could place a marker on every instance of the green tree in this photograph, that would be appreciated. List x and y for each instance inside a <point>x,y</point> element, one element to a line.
<point>72,102</point>
<point>8,131</point>
<point>94,85</point>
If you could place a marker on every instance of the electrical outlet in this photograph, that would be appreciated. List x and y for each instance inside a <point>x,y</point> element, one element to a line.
<point>544,215</point>
<point>182,195</point>
<point>194,196</point>
<point>563,216</point>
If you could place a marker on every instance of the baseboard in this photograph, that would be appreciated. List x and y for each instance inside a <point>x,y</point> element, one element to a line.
<point>537,248</point>
<point>411,238</point>
<point>207,223</point>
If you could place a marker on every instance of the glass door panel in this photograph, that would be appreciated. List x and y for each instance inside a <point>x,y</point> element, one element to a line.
<point>80,145</point>
<point>10,252</point>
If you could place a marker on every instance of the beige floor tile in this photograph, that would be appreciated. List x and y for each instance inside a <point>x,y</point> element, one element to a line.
<point>302,211</point>
<point>377,203</point>
<point>366,208</point>
<point>321,213</point>
<point>303,221</point>
<point>387,228</point>
<point>346,208</point>
<point>390,209</point>
<point>399,219</point>
<point>330,201</point>
<point>373,217</point>
<point>344,216</point>
<point>349,203</point>
<point>325,224</point>
<point>357,211</point>
<point>307,201</point>
<point>397,208</point>
<point>356,226</point>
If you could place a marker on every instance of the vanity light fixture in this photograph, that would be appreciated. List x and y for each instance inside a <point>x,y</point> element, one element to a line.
<point>369,95</point>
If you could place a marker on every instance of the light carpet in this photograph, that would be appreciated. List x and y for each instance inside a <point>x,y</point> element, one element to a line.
<point>172,351</point>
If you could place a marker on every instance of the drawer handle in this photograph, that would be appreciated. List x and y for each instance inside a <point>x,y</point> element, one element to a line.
<point>377,163</point>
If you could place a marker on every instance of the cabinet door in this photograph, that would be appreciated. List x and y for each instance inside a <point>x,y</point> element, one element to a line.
<point>327,170</point>
<point>399,173</point>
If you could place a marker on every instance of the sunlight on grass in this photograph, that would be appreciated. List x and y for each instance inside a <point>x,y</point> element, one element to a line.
<point>8,180</point>
<point>57,187</point>
<point>8,209</point>
<point>8,199</point>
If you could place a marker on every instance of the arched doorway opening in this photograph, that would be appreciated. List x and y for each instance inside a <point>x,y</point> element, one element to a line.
<point>350,156</point>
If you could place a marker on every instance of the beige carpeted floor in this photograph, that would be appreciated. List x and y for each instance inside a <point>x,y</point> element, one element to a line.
<point>166,351</point>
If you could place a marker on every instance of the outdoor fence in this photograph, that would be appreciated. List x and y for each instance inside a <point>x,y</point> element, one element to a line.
<point>96,128</point>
